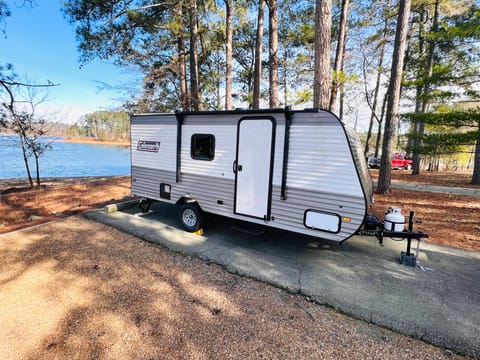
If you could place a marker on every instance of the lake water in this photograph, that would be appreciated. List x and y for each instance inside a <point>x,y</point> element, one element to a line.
<point>65,159</point>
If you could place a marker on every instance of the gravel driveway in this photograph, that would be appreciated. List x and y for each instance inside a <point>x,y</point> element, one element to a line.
<point>78,289</point>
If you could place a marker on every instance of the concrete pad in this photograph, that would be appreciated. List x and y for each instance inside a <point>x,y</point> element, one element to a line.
<point>437,301</point>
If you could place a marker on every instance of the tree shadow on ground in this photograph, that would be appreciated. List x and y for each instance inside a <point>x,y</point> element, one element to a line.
<point>95,292</point>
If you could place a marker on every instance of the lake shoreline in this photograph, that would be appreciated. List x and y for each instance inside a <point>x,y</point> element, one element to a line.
<point>21,183</point>
<point>81,140</point>
<point>86,140</point>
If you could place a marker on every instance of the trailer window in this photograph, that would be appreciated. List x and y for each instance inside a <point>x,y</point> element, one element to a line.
<point>202,147</point>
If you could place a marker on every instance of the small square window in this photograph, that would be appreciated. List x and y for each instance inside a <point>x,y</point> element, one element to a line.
<point>202,147</point>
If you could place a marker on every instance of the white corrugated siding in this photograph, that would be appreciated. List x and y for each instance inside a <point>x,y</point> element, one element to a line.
<point>321,173</point>
<point>224,128</point>
<point>162,129</point>
<point>320,160</point>
<point>225,147</point>
<point>146,182</point>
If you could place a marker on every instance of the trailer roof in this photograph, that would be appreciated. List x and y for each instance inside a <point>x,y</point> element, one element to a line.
<point>236,111</point>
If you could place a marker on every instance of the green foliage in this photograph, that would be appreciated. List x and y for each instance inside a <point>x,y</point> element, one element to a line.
<point>446,132</point>
<point>464,25</point>
<point>76,130</point>
<point>443,69</point>
<point>304,96</point>
<point>135,34</point>
<point>454,119</point>
<point>455,54</point>
<point>103,125</point>
<point>144,34</point>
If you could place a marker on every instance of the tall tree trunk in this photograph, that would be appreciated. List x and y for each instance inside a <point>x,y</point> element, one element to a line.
<point>373,114</point>
<point>228,54</point>
<point>20,131</point>
<point>257,71</point>
<point>341,102</point>
<point>369,134</point>
<point>416,141</point>
<point>25,158</point>
<point>385,176</point>
<point>273,53</point>
<point>194,84</point>
<point>476,160</point>
<point>217,88</point>
<point>342,34</point>
<point>426,88</point>
<point>285,78</point>
<point>37,169</point>
<point>182,67</point>
<point>323,33</point>
<point>411,139</point>
<point>380,123</point>
<point>342,84</point>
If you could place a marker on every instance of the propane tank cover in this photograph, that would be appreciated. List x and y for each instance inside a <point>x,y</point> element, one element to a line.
<point>394,220</point>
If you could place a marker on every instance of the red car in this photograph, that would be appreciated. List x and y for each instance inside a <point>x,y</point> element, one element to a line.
<point>401,161</point>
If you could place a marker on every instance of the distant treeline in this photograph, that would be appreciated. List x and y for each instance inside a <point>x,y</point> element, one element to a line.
<point>102,125</point>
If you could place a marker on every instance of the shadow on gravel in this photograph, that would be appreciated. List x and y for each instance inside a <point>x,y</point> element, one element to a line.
<point>78,289</point>
<point>436,301</point>
<point>104,297</point>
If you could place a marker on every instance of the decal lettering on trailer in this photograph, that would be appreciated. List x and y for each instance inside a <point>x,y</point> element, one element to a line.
<point>148,146</point>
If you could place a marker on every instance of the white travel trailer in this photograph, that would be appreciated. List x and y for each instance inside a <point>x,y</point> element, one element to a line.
<point>300,171</point>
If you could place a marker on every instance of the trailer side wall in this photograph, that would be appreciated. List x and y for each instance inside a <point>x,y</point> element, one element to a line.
<point>323,184</point>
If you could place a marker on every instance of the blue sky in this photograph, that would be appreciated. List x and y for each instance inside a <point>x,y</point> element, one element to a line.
<point>41,45</point>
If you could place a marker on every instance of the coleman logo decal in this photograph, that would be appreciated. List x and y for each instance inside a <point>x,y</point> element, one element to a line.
<point>149,146</point>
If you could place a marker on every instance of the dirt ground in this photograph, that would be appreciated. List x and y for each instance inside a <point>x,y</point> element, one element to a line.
<point>450,220</point>
<point>21,206</point>
<point>441,178</point>
<point>75,289</point>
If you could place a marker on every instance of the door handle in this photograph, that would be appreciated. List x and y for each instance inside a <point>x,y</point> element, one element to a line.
<point>236,167</point>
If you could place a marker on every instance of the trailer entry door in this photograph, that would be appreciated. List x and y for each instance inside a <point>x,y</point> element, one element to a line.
<point>254,167</point>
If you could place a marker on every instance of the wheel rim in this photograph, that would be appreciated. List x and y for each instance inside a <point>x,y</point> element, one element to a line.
<point>189,217</point>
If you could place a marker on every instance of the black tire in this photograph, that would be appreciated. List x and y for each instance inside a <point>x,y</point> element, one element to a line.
<point>191,217</point>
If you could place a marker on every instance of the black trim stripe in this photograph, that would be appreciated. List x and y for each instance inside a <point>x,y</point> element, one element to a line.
<point>286,147</point>
<point>179,116</point>
<point>131,157</point>
<point>253,113</point>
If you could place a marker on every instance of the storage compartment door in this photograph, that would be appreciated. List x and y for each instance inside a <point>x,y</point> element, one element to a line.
<point>254,167</point>
<point>323,221</point>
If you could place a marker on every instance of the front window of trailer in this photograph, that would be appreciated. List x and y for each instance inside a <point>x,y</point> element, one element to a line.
<point>202,147</point>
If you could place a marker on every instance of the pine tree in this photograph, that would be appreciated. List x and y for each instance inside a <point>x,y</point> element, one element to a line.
<point>444,72</point>
<point>384,179</point>
<point>321,80</point>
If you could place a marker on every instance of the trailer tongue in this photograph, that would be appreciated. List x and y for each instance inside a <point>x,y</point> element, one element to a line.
<point>393,227</point>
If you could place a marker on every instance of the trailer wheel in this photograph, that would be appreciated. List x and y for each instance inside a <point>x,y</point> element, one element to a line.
<point>191,217</point>
<point>408,167</point>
